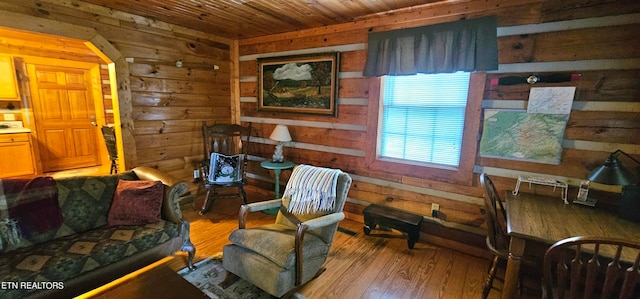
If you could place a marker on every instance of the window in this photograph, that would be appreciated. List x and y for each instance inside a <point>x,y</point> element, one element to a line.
<point>422,119</point>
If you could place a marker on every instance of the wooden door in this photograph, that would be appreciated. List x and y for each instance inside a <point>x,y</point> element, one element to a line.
<point>65,117</point>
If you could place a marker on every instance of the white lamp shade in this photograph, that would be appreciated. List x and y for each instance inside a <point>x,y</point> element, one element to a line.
<point>280,133</point>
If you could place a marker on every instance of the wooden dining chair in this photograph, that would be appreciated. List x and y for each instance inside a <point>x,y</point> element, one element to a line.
<point>497,239</point>
<point>109,134</point>
<point>592,267</point>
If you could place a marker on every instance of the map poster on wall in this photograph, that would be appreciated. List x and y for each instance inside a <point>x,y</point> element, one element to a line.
<point>534,135</point>
<point>518,135</point>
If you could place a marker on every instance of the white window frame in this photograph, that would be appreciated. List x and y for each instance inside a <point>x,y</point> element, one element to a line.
<point>463,174</point>
<point>379,143</point>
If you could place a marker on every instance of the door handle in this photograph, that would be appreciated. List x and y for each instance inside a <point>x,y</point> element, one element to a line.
<point>93,123</point>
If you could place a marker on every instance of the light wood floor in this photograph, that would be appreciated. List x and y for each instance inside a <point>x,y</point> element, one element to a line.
<point>376,266</point>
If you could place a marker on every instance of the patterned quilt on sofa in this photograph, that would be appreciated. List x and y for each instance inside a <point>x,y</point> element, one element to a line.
<point>84,241</point>
<point>69,257</point>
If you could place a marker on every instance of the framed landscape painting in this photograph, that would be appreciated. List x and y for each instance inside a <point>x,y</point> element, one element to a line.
<point>299,84</point>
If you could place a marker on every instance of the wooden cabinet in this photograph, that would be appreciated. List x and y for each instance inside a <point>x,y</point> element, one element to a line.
<point>8,86</point>
<point>16,158</point>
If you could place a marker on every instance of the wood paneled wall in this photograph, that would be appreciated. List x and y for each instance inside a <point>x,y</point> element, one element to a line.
<point>597,39</point>
<point>168,103</point>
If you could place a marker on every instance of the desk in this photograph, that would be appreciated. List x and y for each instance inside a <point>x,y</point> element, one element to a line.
<point>546,220</point>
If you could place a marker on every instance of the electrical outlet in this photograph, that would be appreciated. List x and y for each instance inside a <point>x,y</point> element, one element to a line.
<point>435,210</point>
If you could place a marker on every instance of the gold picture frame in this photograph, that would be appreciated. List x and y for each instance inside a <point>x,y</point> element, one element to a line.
<point>299,84</point>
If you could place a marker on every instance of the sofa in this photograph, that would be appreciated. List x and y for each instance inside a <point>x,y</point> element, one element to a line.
<point>62,237</point>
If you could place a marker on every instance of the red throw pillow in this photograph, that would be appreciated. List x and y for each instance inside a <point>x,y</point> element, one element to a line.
<point>136,202</point>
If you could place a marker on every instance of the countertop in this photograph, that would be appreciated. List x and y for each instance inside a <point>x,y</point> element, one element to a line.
<point>12,127</point>
<point>14,130</point>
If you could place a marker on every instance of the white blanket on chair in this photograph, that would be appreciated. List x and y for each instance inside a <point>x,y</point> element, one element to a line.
<point>312,189</point>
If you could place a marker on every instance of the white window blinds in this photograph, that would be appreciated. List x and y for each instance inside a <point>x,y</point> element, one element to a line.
<point>423,117</point>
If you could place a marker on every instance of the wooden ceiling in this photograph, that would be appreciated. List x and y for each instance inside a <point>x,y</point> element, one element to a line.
<point>240,19</point>
<point>233,19</point>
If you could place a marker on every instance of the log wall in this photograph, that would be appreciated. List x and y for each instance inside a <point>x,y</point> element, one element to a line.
<point>597,39</point>
<point>218,82</point>
<point>167,103</point>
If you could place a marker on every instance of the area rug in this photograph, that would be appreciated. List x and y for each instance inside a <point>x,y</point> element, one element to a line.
<point>209,273</point>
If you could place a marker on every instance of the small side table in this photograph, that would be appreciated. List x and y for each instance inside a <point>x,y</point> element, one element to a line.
<point>277,167</point>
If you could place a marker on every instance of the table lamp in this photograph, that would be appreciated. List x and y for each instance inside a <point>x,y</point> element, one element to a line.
<point>280,134</point>
<point>612,172</point>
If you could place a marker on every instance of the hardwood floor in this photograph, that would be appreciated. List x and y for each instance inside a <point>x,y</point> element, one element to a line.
<point>379,265</point>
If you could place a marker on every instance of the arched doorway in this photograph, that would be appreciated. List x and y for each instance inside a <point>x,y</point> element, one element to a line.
<point>117,68</point>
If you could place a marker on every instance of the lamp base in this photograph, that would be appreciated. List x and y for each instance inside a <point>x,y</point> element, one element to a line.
<point>630,203</point>
<point>278,157</point>
<point>591,202</point>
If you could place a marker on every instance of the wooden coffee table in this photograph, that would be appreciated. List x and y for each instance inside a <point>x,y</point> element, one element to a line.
<point>154,281</point>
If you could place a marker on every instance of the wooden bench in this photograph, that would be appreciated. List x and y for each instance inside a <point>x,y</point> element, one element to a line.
<point>392,218</point>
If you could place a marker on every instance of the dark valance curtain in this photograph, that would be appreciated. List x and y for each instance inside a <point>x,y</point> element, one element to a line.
<point>466,45</point>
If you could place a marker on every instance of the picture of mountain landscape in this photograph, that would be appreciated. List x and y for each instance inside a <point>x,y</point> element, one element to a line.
<point>302,84</point>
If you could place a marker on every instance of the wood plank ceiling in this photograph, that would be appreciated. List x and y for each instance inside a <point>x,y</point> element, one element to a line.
<point>240,19</point>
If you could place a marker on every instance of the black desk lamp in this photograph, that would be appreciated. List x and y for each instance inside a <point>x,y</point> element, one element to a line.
<point>612,172</point>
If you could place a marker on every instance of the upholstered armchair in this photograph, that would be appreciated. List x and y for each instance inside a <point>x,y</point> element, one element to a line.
<point>281,257</point>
